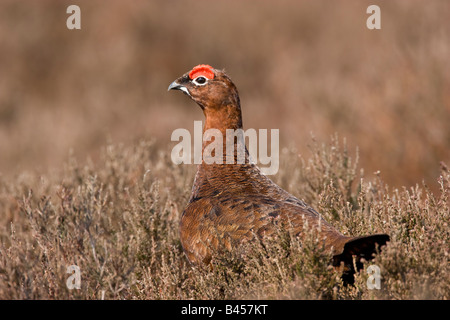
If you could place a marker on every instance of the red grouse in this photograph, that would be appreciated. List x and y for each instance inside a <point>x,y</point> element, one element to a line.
<point>234,201</point>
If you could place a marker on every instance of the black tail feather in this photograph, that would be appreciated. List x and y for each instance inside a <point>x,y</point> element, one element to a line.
<point>363,248</point>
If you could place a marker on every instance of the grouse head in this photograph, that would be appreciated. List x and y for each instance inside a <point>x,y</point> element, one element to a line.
<point>215,93</point>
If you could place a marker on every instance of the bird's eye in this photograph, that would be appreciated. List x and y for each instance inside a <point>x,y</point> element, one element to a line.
<point>200,81</point>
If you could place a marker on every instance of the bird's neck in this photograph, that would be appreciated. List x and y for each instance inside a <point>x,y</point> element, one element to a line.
<point>227,117</point>
<point>226,124</point>
<point>234,172</point>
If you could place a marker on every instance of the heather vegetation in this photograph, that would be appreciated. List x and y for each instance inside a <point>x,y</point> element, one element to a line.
<point>117,220</point>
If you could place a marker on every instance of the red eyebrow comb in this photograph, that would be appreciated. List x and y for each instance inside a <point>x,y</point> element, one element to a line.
<point>202,70</point>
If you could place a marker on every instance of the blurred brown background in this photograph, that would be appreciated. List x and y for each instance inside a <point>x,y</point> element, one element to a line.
<point>300,66</point>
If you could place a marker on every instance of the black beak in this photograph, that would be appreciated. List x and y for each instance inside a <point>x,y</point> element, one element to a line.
<point>176,86</point>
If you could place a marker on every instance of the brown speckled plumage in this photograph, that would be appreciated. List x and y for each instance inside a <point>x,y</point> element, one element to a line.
<point>233,202</point>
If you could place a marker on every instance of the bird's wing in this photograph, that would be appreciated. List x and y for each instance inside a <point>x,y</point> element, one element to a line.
<point>223,221</point>
<point>209,224</point>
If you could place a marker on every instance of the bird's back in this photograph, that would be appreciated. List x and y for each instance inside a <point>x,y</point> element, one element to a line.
<point>231,202</point>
